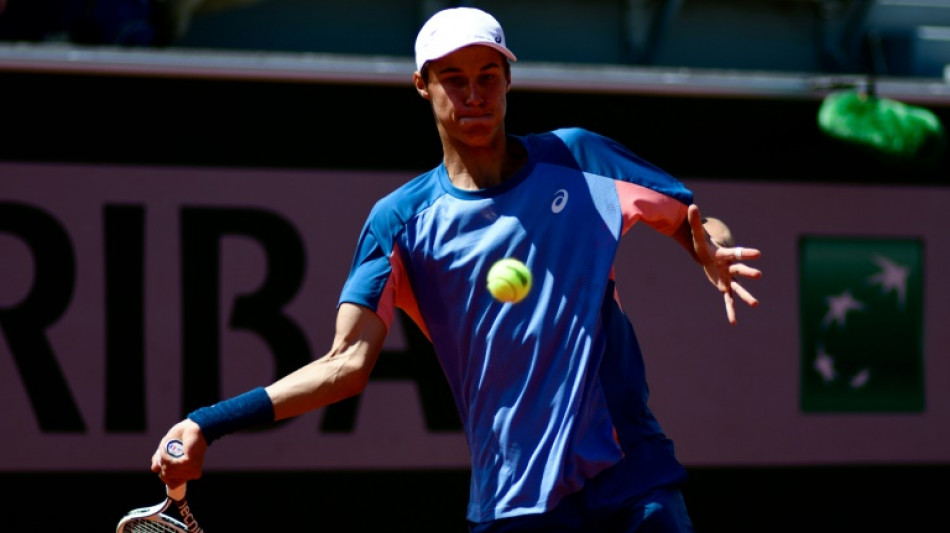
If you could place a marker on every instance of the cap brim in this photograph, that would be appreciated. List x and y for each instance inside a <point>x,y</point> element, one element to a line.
<point>504,51</point>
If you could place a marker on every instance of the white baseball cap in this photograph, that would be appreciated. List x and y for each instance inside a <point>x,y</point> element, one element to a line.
<point>457,27</point>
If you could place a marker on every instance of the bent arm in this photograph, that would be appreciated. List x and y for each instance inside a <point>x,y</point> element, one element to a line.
<point>341,373</point>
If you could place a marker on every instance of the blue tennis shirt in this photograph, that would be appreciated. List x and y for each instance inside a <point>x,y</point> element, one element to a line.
<point>551,391</point>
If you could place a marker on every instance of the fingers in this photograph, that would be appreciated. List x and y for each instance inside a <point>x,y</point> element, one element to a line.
<point>733,256</point>
<point>730,301</point>
<point>156,462</point>
<point>730,307</point>
<point>738,253</point>
<point>174,471</point>
<point>158,458</point>
<point>696,222</point>
<point>746,296</point>
<point>739,269</point>
<point>162,462</point>
<point>694,215</point>
<point>698,233</point>
<point>722,260</point>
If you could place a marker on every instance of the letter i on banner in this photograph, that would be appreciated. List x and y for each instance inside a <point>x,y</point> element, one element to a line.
<point>861,311</point>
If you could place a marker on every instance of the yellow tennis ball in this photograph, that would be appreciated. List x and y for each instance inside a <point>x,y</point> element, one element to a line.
<point>509,280</point>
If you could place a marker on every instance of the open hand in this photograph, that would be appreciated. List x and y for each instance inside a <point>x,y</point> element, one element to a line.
<point>723,264</point>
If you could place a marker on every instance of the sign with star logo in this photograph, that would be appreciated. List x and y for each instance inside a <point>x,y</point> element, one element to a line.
<point>861,305</point>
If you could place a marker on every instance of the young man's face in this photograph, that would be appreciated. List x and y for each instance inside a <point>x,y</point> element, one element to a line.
<point>468,90</point>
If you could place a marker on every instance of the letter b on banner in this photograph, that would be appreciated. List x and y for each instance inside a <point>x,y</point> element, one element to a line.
<point>260,312</point>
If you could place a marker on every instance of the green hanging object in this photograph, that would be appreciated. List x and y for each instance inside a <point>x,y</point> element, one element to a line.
<point>885,126</point>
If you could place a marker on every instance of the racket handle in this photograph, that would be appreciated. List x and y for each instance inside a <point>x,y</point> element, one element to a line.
<point>177,493</point>
<point>175,448</point>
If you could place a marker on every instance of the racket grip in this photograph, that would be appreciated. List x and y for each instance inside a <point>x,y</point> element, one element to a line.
<point>175,448</point>
<point>177,493</point>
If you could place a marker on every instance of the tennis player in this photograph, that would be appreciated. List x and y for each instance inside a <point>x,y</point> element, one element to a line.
<point>551,391</point>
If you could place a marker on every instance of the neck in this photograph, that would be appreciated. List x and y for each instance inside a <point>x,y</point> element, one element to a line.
<point>482,167</point>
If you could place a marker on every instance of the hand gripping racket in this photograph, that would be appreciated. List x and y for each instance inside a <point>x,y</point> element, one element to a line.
<point>154,519</point>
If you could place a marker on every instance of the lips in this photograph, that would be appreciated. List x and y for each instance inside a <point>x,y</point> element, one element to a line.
<point>475,118</point>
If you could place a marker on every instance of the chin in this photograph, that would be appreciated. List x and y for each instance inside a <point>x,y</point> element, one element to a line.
<point>479,136</point>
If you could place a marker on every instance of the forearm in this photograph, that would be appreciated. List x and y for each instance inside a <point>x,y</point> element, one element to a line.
<point>341,373</point>
<point>334,377</point>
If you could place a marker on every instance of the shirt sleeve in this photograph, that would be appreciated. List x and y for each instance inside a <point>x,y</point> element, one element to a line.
<point>659,211</point>
<point>370,274</point>
<point>378,280</point>
<point>646,192</point>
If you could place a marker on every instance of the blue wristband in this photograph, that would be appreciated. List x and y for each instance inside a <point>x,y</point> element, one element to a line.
<point>253,408</point>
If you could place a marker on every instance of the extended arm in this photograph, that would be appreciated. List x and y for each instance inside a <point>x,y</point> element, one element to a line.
<point>719,257</point>
<point>341,373</point>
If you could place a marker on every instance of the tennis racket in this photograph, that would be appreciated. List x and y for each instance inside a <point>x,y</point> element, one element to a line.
<point>155,519</point>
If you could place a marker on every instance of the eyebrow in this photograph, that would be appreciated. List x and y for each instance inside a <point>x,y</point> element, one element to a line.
<point>451,69</point>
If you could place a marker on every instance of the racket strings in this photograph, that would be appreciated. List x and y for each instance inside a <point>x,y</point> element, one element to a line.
<point>156,524</point>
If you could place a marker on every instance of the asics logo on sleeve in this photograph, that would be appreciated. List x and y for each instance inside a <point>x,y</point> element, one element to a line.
<point>560,200</point>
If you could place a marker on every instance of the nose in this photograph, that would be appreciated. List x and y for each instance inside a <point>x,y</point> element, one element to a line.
<point>474,96</point>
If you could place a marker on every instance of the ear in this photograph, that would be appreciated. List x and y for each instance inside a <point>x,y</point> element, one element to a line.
<point>420,84</point>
